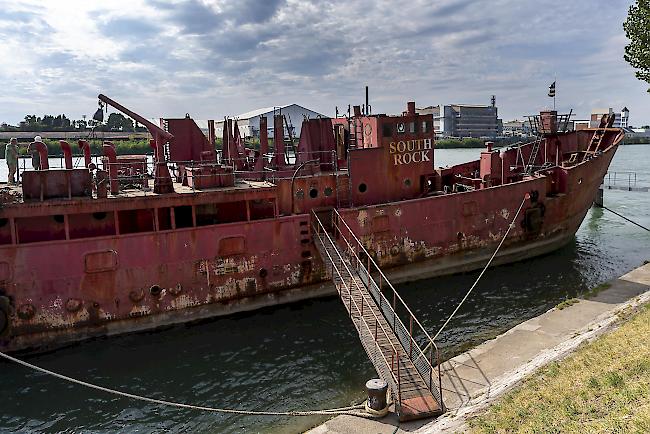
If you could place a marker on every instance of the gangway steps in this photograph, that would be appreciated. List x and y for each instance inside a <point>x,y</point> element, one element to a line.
<point>413,396</point>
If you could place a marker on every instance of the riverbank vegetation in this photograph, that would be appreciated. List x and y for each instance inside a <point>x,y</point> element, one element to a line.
<point>603,387</point>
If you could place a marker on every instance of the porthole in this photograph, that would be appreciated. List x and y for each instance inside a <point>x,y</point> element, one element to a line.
<point>155,290</point>
<point>328,191</point>
<point>300,194</point>
<point>313,193</point>
<point>362,188</point>
<point>407,182</point>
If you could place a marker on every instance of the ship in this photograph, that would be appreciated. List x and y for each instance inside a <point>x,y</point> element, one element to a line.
<point>132,243</point>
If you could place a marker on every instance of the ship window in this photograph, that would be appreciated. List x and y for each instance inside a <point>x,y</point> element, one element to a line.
<point>300,194</point>
<point>407,182</point>
<point>5,231</point>
<point>413,127</point>
<point>262,209</point>
<point>387,130</point>
<point>58,218</point>
<point>425,127</point>
<point>228,212</point>
<point>135,220</point>
<point>99,215</point>
<point>87,225</point>
<point>183,216</point>
<point>328,191</point>
<point>206,214</point>
<point>313,193</point>
<point>164,219</point>
<point>362,188</point>
<point>35,229</point>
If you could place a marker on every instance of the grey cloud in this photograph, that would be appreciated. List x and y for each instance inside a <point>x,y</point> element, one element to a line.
<point>129,28</point>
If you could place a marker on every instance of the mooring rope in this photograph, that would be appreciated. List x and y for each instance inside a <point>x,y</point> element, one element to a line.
<point>625,218</point>
<point>510,226</point>
<point>326,412</point>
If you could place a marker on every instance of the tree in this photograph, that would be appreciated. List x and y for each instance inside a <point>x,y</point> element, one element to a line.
<point>117,122</point>
<point>637,30</point>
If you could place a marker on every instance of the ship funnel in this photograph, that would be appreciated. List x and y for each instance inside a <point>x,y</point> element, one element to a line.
<point>410,107</point>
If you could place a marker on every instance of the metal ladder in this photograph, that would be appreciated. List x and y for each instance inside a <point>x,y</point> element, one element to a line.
<point>533,155</point>
<point>394,348</point>
<point>343,192</point>
<point>596,139</point>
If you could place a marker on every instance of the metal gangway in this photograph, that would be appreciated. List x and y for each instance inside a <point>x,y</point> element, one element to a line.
<point>390,333</point>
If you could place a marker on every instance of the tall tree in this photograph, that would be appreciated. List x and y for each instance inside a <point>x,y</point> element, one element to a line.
<point>637,30</point>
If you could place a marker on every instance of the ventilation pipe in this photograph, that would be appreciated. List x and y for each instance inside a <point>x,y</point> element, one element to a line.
<point>85,148</point>
<point>109,152</point>
<point>42,153</point>
<point>410,108</point>
<point>67,153</point>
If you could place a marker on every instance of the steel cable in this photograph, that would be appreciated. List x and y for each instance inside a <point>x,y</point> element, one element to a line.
<point>510,226</point>
<point>325,412</point>
<point>625,218</point>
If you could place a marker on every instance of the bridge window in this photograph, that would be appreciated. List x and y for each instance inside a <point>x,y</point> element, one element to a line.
<point>387,130</point>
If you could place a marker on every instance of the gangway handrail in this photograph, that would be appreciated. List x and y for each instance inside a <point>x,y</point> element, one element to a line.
<point>381,273</point>
<point>387,301</point>
<point>395,379</point>
<point>396,295</point>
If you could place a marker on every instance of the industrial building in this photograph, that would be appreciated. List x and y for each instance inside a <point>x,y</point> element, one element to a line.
<point>465,120</point>
<point>516,128</point>
<point>621,119</point>
<point>249,122</point>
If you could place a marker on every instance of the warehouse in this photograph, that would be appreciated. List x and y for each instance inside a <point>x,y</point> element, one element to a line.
<point>249,123</point>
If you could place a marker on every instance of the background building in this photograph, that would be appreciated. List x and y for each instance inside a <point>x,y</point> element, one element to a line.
<point>621,120</point>
<point>516,128</point>
<point>249,122</point>
<point>465,120</point>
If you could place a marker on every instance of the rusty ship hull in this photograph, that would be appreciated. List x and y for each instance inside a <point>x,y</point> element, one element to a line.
<point>93,263</point>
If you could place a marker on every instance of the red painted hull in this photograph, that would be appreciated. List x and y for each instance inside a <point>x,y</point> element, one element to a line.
<point>63,291</point>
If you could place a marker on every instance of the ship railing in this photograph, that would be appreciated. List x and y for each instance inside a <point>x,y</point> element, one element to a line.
<point>414,337</point>
<point>287,159</point>
<point>617,178</point>
<point>350,292</point>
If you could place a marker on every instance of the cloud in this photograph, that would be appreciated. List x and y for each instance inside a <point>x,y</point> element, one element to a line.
<point>216,57</point>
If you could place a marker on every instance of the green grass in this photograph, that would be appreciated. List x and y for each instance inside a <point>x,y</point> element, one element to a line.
<point>604,387</point>
<point>567,303</point>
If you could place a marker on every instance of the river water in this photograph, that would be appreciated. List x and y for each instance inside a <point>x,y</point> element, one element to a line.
<point>307,355</point>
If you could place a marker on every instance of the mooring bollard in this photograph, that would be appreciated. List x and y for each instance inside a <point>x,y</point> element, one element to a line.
<point>376,404</point>
<point>598,201</point>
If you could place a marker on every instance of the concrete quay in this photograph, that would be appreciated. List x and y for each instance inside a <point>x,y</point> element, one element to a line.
<point>473,380</point>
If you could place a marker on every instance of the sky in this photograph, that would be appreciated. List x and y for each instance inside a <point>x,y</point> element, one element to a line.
<point>225,57</point>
